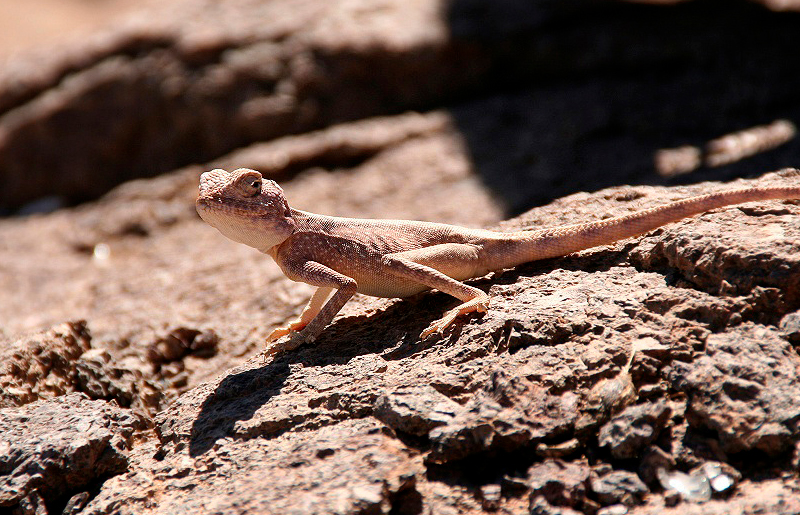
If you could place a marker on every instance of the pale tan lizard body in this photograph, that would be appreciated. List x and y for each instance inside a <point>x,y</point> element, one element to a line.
<point>399,258</point>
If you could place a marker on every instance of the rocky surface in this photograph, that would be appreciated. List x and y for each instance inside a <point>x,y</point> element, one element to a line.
<point>610,381</point>
<point>59,447</point>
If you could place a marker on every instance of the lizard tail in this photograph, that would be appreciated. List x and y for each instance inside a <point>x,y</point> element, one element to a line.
<point>524,246</point>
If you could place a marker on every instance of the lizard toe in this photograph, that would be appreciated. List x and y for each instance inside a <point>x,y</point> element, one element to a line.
<point>430,330</point>
<point>480,305</point>
<point>439,326</point>
<point>278,333</point>
<point>295,340</point>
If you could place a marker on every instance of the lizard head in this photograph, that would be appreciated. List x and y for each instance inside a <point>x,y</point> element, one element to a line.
<point>245,207</point>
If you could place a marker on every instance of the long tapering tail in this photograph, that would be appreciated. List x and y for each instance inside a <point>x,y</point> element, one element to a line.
<point>525,246</point>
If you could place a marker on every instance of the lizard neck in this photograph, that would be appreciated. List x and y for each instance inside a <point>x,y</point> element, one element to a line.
<point>305,221</point>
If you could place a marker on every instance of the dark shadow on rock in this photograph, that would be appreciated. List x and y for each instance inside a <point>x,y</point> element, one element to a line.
<point>240,394</point>
<point>584,101</point>
<point>236,398</point>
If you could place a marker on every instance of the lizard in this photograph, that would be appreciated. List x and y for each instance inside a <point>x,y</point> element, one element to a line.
<point>400,258</point>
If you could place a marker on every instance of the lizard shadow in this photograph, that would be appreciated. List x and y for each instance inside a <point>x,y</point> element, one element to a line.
<point>242,393</point>
<point>391,332</point>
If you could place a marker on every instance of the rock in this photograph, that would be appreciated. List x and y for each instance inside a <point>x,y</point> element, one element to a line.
<point>33,504</point>
<point>790,326</point>
<point>490,497</point>
<point>691,487</point>
<point>76,503</point>
<point>501,402</point>
<point>653,460</point>
<point>181,342</point>
<point>97,375</point>
<point>61,361</point>
<point>370,419</point>
<point>189,82</point>
<point>41,366</point>
<point>40,459</point>
<point>356,466</point>
<point>615,509</point>
<point>745,388</point>
<point>560,483</point>
<point>703,481</point>
<point>722,477</point>
<point>526,416</point>
<point>415,410</point>
<point>560,450</point>
<point>539,506</point>
<point>635,428</point>
<point>618,486</point>
<point>507,401</point>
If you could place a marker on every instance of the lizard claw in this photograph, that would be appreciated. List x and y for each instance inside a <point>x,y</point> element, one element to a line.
<point>278,333</point>
<point>479,304</point>
<point>283,331</point>
<point>294,341</point>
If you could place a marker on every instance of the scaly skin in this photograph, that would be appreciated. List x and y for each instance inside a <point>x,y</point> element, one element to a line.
<point>398,258</point>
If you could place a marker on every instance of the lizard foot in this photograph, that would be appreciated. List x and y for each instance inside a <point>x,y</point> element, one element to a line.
<point>479,304</point>
<point>294,341</point>
<point>283,331</point>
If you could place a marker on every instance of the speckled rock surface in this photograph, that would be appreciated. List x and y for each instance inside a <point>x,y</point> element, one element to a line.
<point>57,447</point>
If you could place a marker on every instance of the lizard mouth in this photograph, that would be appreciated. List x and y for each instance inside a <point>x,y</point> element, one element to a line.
<point>226,210</point>
<point>226,205</point>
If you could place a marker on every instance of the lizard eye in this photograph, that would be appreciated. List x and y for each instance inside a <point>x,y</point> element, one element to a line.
<point>251,186</point>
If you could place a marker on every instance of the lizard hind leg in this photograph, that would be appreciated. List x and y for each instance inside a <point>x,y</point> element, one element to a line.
<point>479,304</point>
<point>441,267</point>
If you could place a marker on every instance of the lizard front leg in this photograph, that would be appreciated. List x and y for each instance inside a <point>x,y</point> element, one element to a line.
<point>428,266</point>
<point>309,312</point>
<point>326,278</point>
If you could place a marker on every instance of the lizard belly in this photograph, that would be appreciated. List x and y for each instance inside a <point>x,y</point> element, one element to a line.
<point>390,286</point>
<point>386,289</point>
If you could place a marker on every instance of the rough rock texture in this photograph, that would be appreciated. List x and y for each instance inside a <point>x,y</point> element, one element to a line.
<point>61,446</point>
<point>617,487</point>
<point>42,365</point>
<point>590,375</point>
<point>61,361</point>
<point>634,429</point>
<point>560,483</point>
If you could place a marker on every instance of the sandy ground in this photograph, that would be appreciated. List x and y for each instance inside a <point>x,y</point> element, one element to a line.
<point>37,23</point>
